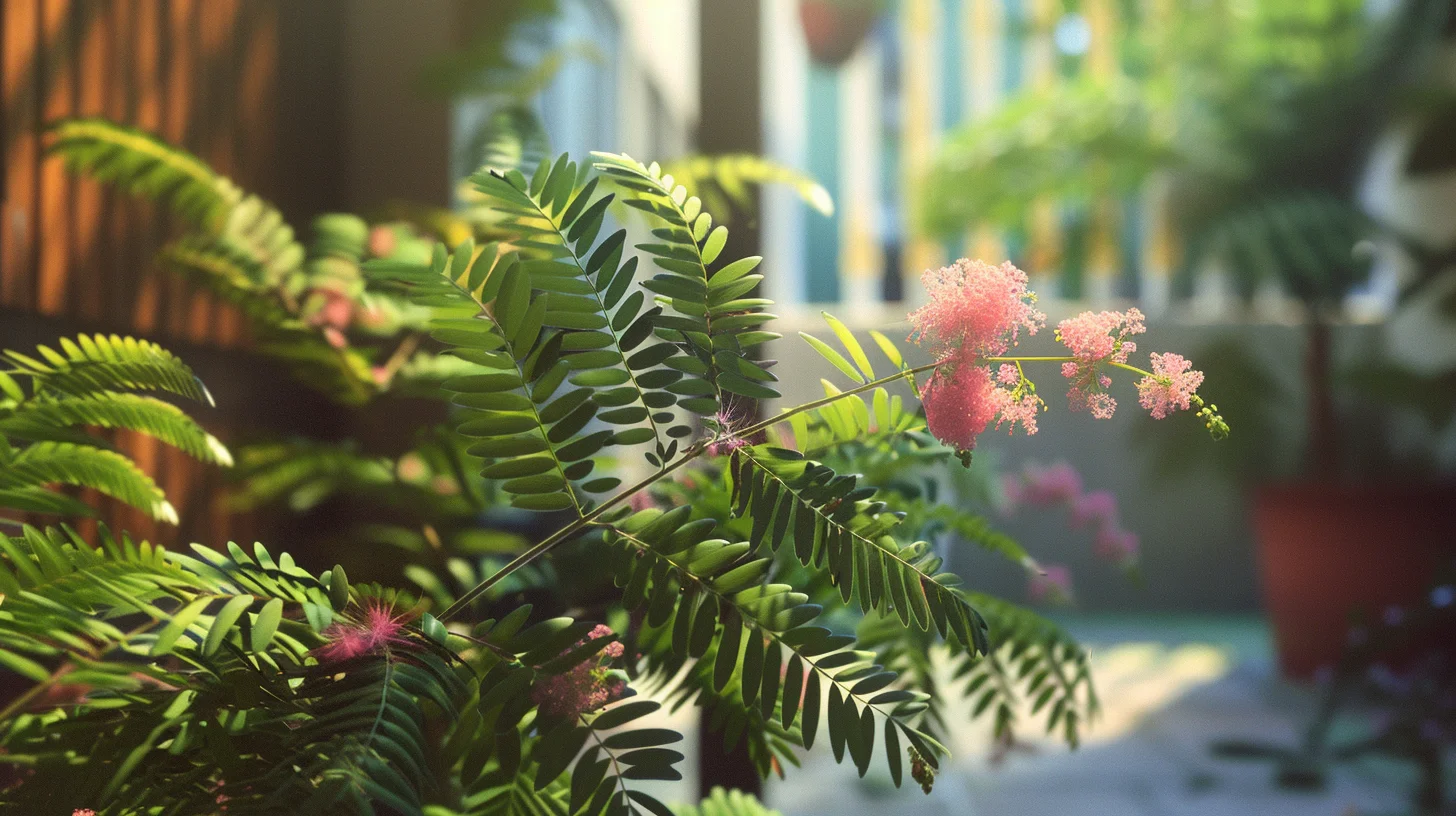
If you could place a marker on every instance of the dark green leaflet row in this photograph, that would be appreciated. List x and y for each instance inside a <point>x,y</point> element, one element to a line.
<point>836,524</point>
<point>527,426</point>
<point>1050,668</point>
<point>591,290</point>
<point>710,595</point>
<point>496,750</point>
<point>144,165</point>
<point>712,316</point>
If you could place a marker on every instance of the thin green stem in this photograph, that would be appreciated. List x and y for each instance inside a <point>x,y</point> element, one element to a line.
<point>689,455</point>
<point>819,403</point>
<point>693,453</point>
<point>1133,369</point>
<point>569,530</point>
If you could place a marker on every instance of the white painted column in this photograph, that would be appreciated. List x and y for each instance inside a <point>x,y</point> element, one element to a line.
<point>921,95</point>
<point>785,99</point>
<point>861,259</point>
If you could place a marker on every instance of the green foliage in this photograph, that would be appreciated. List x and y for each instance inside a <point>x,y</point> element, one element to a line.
<point>723,181</point>
<point>240,674</point>
<point>1305,241</point>
<point>722,802</point>
<point>236,699</point>
<point>240,249</point>
<point>1072,144</point>
<point>701,595</point>
<point>91,382</point>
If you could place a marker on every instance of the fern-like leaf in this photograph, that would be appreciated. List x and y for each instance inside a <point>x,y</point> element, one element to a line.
<point>46,463</point>
<point>48,420</point>
<point>710,598</point>
<point>98,362</point>
<point>837,524</point>
<point>713,320</point>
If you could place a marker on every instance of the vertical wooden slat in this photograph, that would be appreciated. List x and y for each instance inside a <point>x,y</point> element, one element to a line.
<point>180,122</point>
<point>920,101</point>
<point>142,242</point>
<point>255,136</point>
<point>56,70</point>
<point>115,273</point>
<point>215,132</point>
<point>21,52</point>
<point>89,32</point>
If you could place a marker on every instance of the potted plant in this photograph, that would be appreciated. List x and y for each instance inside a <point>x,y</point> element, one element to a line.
<point>1338,537</point>
<point>1271,141</point>
<point>833,29</point>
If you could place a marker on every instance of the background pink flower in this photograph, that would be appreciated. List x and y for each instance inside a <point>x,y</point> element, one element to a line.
<point>1052,585</point>
<point>974,308</point>
<point>585,687</point>
<point>1097,506</point>
<point>1116,544</point>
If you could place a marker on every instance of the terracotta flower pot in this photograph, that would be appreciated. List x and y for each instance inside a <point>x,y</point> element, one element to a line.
<point>1328,553</point>
<point>834,30</point>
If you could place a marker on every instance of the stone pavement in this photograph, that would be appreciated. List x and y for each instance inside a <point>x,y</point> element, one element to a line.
<point>1168,688</point>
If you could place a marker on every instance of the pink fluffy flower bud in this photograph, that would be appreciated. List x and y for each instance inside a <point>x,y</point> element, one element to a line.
<point>585,687</point>
<point>1116,544</point>
<point>1050,485</point>
<point>975,309</point>
<point>1171,386</point>
<point>1097,507</point>
<point>1096,338</point>
<point>960,401</point>
<point>371,631</point>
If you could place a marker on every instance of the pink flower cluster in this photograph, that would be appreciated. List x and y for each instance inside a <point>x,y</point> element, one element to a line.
<point>587,686</point>
<point>961,399</point>
<point>377,629</point>
<point>1096,338</point>
<point>975,310</point>
<point>1059,485</point>
<point>1053,585</point>
<point>975,315</point>
<point>1171,386</point>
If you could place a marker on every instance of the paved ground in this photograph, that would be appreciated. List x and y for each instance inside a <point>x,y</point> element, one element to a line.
<point>1168,688</point>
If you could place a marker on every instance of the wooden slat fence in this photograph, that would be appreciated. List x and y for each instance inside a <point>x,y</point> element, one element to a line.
<point>203,73</point>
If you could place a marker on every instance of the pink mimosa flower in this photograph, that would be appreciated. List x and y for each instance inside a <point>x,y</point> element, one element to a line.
<point>960,403</point>
<point>1051,485</point>
<point>1171,386</point>
<point>1052,585</point>
<point>376,630</point>
<point>1017,409</point>
<point>1098,506</point>
<point>974,309</point>
<point>585,687</point>
<point>1101,336</point>
<point>1096,338</point>
<point>1116,544</point>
